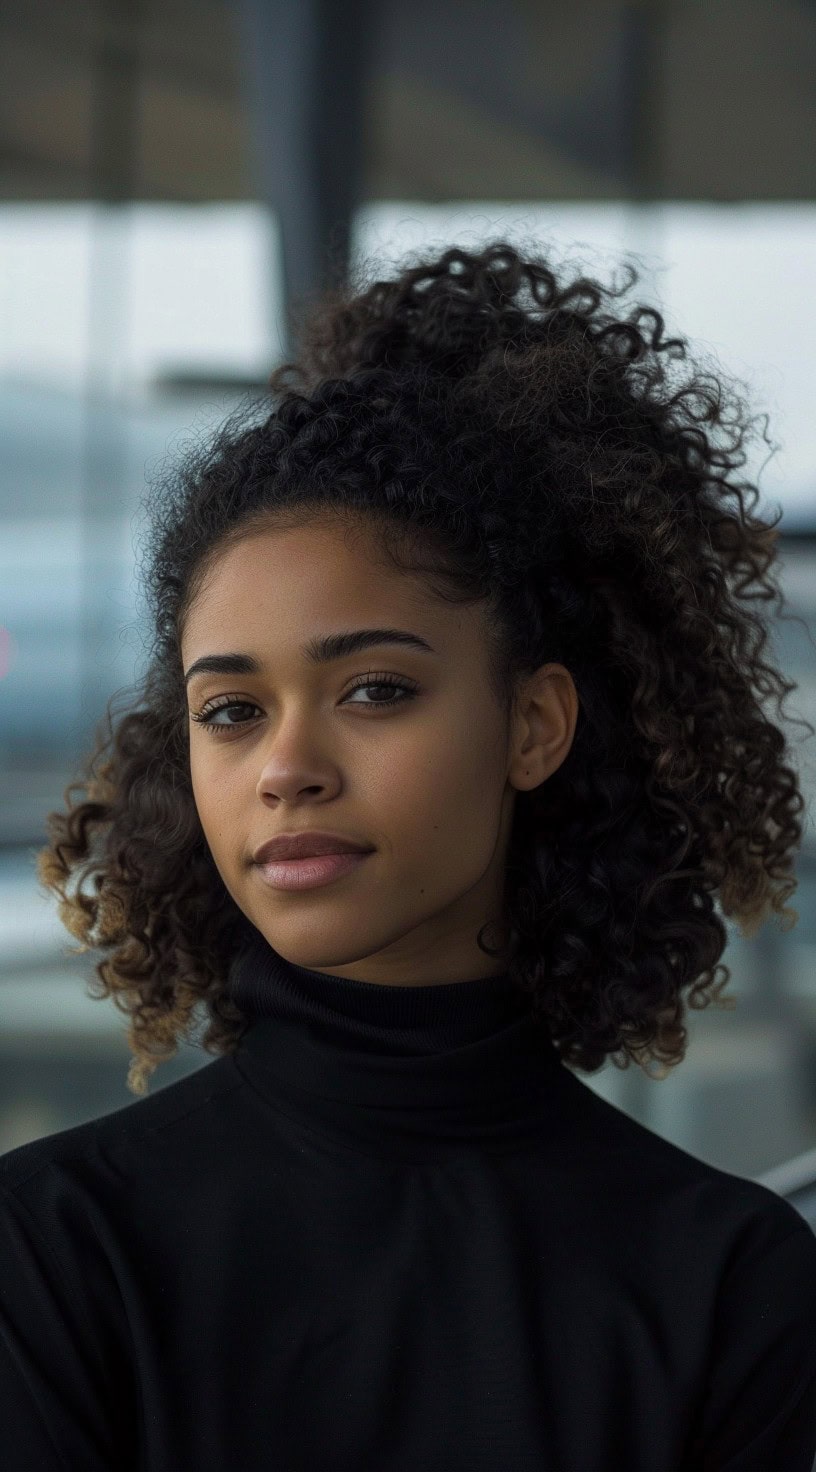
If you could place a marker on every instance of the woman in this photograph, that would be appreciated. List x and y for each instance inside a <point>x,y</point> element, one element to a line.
<point>471,606</point>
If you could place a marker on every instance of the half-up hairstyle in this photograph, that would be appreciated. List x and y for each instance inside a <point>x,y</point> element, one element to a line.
<point>520,439</point>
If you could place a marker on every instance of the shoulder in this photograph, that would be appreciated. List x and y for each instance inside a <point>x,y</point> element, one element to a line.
<point>668,1183</point>
<point>121,1141</point>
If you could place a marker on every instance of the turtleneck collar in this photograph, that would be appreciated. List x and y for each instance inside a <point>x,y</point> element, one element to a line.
<point>414,1067</point>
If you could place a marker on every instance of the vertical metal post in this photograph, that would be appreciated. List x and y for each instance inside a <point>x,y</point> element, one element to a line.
<point>306,65</point>
<point>114,145</point>
<point>642,85</point>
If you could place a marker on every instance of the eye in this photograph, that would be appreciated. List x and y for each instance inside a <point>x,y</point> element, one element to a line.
<point>384,682</point>
<point>407,691</point>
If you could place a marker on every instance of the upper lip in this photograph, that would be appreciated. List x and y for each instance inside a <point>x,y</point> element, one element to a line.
<point>306,845</point>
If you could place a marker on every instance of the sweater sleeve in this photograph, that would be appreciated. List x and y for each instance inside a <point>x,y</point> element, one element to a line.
<point>759,1408</point>
<point>53,1383</point>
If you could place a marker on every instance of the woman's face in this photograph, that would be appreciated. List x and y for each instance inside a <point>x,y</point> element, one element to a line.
<point>428,782</point>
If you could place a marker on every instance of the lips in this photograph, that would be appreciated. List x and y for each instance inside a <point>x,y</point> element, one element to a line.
<point>307,845</point>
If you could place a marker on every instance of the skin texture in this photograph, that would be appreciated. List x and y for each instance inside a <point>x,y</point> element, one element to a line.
<point>430,783</point>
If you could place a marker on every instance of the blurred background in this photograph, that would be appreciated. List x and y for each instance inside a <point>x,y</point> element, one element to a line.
<point>173,176</point>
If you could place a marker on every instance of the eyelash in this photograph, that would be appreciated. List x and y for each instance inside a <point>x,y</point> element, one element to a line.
<point>369,681</point>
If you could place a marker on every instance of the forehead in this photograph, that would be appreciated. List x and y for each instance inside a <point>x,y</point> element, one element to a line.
<point>302,560</point>
<point>304,581</point>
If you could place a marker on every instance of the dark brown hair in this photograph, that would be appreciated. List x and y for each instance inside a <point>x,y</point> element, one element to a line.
<point>519,439</point>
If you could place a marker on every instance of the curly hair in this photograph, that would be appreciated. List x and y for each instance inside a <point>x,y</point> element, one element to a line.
<point>516,443</point>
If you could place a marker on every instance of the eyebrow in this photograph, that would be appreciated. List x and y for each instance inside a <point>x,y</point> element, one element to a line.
<point>320,650</point>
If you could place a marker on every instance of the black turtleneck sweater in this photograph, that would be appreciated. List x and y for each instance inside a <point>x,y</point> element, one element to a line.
<point>394,1232</point>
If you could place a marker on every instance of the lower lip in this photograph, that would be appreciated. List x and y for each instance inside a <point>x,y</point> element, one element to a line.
<point>308,873</point>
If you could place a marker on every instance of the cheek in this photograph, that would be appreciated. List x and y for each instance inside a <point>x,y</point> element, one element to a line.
<point>444,790</point>
<point>212,800</point>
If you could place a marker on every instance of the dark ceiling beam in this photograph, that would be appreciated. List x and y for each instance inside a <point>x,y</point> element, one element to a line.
<point>17,160</point>
<point>216,80</point>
